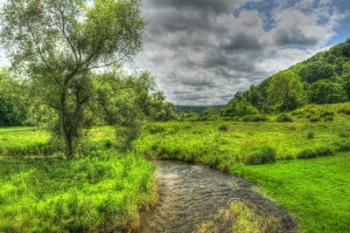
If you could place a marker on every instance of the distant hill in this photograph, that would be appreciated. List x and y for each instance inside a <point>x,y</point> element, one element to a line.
<point>328,71</point>
<point>197,109</point>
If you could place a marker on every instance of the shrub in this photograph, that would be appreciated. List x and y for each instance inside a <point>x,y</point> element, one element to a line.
<point>329,118</point>
<point>327,113</point>
<point>345,111</point>
<point>314,118</point>
<point>311,135</point>
<point>223,128</point>
<point>255,118</point>
<point>316,152</point>
<point>344,134</point>
<point>260,155</point>
<point>284,118</point>
<point>238,108</point>
<point>342,146</point>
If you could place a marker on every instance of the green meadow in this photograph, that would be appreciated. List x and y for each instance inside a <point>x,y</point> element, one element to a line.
<point>301,164</point>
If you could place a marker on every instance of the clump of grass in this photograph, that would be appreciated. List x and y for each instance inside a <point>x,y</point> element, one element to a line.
<point>239,217</point>
<point>314,118</point>
<point>284,117</point>
<point>345,110</point>
<point>255,118</point>
<point>316,152</point>
<point>311,135</point>
<point>328,118</point>
<point>259,155</point>
<point>327,113</point>
<point>223,128</point>
<point>342,146</point>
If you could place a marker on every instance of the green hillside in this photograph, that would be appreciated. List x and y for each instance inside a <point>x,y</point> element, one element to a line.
<point>323,78</point>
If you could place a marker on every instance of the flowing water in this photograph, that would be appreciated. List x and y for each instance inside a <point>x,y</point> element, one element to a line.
<point>192,194</point>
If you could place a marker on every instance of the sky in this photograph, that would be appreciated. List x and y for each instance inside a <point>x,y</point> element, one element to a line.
<point>203,51</point>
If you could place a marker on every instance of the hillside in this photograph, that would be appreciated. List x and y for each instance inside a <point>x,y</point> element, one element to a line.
<point>325,78</point>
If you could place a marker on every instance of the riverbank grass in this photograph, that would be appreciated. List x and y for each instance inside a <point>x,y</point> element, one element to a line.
<point>316,192</point>
<point>100,193</point>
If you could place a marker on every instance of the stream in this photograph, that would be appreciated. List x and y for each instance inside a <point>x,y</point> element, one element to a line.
<point>192,194</point>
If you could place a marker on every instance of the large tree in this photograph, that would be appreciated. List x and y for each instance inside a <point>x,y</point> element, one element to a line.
<point>286,91</point>
<point>57,44</point>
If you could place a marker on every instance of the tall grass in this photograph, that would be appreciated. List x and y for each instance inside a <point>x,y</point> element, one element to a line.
<point>101,193</point>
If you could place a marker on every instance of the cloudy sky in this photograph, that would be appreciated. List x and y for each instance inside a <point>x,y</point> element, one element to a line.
<point>203,51</point>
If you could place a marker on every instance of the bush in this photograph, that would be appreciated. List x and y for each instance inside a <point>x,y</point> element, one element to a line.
<point>314,118</point>
<point>260,155</point>
<point>284,118</point>
<point>327,113</point>
<point>238,108</point>
<point>342,146</point>
<point>328,118</point>
<point>311,135</point>
<point>344,134</point>
<point>345,111</point>
<point>316,152</point>
<point>223,128</point>
<point>255,118</point>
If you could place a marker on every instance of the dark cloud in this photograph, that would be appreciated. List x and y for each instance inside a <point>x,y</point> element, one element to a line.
<point>243,42</point>
<point>294,36</point>
<point>211,5</point>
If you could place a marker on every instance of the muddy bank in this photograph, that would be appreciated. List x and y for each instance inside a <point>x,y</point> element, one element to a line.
<point>192,194</point>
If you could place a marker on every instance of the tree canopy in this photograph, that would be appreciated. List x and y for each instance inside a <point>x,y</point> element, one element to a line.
<point>286,91</point>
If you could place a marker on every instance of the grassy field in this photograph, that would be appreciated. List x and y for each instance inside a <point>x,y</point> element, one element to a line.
<point>103,192</point>
<point>315,191</point>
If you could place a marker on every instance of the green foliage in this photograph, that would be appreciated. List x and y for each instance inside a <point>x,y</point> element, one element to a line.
<point>317,70</point>
<point>259,155</point>
<point>58,59</point>
<point>82,195</point>
<point>329,66</point>
<point>284,118</point>
<point>286,91</point>
<point>326,91</point>
<point>125,100</point>
<point>238,108</point>
<point>13,108</point>
<point>346,83</point>
<point>255,118</point>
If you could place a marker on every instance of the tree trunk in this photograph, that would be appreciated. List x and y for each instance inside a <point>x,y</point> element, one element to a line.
<point>64,129</point>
